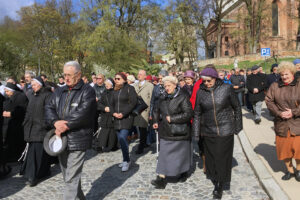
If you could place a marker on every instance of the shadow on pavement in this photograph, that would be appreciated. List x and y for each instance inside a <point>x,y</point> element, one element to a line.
<point>113,177</point>
<point>269,153</point>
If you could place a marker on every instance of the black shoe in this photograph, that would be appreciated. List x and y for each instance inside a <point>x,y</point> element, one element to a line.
<point>183,177</point>
<point>218,191</point>
<point>31,183</point>
<point>257,121</point>
<point>159,182</point>
<point>139,151</point>
<point>226,186</point>
<point>297,175</point>
<point>287,176</point>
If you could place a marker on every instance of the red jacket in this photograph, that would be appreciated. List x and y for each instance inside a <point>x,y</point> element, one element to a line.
<point>195,90</point>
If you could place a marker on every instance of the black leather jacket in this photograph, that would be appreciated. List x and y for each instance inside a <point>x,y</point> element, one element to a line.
<point>217,111</point>
<point>99,90</point>
<point>77,106</point>
<point>179,108</point>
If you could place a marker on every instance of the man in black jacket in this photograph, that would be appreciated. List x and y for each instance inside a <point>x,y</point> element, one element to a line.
<point>70,111</point>
<point>256,85</point>
<point>238,83</point>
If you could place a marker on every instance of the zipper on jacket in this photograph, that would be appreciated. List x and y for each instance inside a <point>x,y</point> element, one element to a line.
<point>119,106</point>
<point>215,114</point>
<point>65,107</point>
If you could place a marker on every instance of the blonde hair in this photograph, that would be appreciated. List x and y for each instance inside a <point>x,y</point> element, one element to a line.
<point>171,79</point>
<point>285,65</point>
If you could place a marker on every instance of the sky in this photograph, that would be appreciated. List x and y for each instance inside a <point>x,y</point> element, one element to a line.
<point>10,7</point>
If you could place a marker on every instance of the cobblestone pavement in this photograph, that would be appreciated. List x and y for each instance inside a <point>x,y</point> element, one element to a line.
<point>103,179</point>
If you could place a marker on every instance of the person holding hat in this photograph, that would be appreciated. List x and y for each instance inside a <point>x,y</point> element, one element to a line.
<point>172,116</point>
<point>217,117</point>
<point>14,109</point>
<point>256,85</point>
<point>274,76</point>
<point>70,112</point>
<point>107,137</point>
<point>36,165</point>
<point>124,100</point>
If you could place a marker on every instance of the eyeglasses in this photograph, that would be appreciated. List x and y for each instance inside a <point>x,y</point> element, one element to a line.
<point>69,75</point>
<point>117,79</point>
<point>99,78</point>
<point>208,81</point>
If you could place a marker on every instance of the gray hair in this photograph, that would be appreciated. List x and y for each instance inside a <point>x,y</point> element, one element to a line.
<point>74,64</point>
<point>30,73</point>
<point>171,79</point>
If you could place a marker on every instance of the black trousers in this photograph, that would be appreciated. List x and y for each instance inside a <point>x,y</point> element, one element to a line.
<point>143,137</point>
<point>37,163</point>
<point>218,157</point>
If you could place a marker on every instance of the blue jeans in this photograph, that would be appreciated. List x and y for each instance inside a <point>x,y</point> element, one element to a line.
<point>122,137</point>
<point>240,97</point>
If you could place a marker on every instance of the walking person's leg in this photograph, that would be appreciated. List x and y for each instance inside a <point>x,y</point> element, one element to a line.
<point>258,111</point>
<point>71,163</point>
<point>122,136</point>
<point>143,140</point>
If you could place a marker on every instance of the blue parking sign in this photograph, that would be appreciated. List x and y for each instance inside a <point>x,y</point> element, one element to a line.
<point>265,51</point>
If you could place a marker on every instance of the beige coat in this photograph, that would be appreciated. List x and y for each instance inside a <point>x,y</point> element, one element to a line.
<point>146,93</point>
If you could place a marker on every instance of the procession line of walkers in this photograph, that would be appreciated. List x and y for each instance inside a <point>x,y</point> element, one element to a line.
<point>207,108</point>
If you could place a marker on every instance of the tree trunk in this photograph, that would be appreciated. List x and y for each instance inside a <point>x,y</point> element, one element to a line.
<point>219,37</point>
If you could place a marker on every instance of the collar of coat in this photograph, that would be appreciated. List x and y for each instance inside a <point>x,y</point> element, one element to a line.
<point>76,87</point>
<point>165,95</point>
<point>281,83</point>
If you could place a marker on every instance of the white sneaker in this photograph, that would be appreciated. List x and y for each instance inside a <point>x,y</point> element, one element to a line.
<point>125,166</point>
<point>121,164</point>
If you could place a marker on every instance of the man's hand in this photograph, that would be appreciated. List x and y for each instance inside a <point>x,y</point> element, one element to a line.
<point>118,115</point>
<point>236,87</point>
<point>6,114</point>
<point>60,127</point>
<point>106,109</point>
<point>255,91</point>
<point>155,126</point>
<point>150,118</point>
<point>97,99</point>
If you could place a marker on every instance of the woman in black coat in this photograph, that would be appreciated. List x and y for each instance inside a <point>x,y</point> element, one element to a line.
<point>172,117</point>
<point>124,100</point>
<point>14,110</point>
<point>217,117</point>
<point>107,136</point>
<point>36,165</point>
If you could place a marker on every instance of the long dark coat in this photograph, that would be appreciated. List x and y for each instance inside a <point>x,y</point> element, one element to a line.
<point>13,132</point>
<point>258,81</point>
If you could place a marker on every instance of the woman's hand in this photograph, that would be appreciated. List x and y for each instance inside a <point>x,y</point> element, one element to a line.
<point>168,119</point>
<point>155,126</point>
<point>106,109</point>
<point>286,114</point>
<point>118,115</point>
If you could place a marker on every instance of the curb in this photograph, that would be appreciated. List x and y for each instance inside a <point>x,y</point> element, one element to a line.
<point>273,190</point>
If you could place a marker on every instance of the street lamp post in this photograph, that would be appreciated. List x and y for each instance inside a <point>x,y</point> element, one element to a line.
<point>150,48</point>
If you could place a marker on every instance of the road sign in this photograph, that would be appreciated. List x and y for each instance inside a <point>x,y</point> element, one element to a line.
<point>265,51</point>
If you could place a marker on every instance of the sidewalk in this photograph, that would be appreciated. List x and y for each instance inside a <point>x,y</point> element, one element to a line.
<point>262,139</point>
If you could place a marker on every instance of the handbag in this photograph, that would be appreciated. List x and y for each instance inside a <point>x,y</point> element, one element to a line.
<point>140,106</point>
<point>179,129</point>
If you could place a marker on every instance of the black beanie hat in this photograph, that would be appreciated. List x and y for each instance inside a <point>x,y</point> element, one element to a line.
<point>11,87</point>
<point>39,80</point>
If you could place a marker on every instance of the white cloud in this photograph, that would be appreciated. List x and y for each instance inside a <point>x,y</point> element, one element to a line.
<point>9,7</point>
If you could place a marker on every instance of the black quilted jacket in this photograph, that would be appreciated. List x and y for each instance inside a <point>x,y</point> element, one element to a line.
<point>217,111</point>
<point>179,108</point>
<point>77,106</point>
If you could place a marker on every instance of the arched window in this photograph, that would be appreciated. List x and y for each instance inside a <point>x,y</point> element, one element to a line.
<point>275,20</point>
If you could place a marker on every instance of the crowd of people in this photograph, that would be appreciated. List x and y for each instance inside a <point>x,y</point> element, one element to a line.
<point>107,113</point>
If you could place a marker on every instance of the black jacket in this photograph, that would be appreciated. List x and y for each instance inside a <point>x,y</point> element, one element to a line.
<point>217,111</point>
<point>77,106</point>
<point>258,81</point>
<point>158,90</point>
<point>124,101</point>
<point>238,80</point>
<point>34,122</point>
<point>99,91</point>
<point>179,108</point>
<point>106,101</point>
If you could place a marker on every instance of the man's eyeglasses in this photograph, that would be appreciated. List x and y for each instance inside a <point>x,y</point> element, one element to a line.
<point>208,81</point>
<point>117,79</point>
<point>69,75</point>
